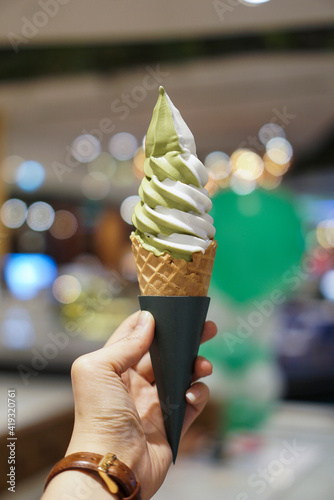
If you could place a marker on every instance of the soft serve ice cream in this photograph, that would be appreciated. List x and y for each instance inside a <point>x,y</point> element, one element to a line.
<point>172,219</point>
<point>172,215</point>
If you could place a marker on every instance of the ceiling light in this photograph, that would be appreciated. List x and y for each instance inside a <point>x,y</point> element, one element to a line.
<point>253,2</point>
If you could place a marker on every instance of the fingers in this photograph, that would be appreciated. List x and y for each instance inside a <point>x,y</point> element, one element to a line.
<point>209,331</point>
<point>202,368</point>
<point>134,340</point>
<point>144,368</point>
<point>197,397</point>
<point>124,328</point>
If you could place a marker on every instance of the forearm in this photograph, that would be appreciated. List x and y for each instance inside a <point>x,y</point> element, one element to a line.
<point>75,485</point>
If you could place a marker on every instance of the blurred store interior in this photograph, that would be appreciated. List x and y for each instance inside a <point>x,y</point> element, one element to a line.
<point>254,80</point>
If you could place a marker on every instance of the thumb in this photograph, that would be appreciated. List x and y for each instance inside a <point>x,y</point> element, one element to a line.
<point>128,350</point>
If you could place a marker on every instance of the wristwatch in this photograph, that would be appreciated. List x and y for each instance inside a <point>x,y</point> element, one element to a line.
<point>112,474</point>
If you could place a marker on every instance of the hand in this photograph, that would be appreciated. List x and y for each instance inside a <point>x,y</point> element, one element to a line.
<point>116,403</point>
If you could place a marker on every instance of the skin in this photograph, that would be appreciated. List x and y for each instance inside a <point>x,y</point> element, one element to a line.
<point>117,410</point>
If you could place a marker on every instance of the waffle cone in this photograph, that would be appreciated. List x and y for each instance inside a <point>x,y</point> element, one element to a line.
<point>167,276</point>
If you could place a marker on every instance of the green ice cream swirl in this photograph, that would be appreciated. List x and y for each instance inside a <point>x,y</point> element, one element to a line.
<point>172,215</point>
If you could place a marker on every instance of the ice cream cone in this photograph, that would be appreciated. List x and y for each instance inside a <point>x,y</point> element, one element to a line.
<point>167,276</point>
<point>174,291</point>
<point>174,250</point>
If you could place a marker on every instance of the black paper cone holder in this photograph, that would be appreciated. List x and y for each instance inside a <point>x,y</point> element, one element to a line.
<point>179,323</point>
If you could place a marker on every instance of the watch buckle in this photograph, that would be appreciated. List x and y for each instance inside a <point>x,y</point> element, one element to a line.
<point>103,467</point>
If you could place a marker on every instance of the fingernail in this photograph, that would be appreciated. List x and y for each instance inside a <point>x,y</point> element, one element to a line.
<point>142,319</point>
<point>191,397</point>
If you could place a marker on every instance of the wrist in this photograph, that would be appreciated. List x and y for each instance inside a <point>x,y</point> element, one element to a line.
<point>130,455</point>
<point>75,484</point>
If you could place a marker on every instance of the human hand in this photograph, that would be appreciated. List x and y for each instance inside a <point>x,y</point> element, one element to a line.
<point>117,406</point>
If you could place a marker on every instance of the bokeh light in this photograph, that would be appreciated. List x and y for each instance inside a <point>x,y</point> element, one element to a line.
<point>212,185</point>
<point>27,274</point>
<point>64,226</point>
<point>219,166</point>
<point>123,146</point>
<point>30,175</point>
<point>127,208</point>
<point>275,169</point>
<point>138,163</point>
<point>9,167</point>
<point>40,216</point>
<point>325,233</point>
<point>85,148</point>
<point>241,185</point>
<point>95,186</point>
<point>269,181</point>
<point>327,285</point>
<point>279,150</point>
<point>269,131</point>
<point>235,157</point>
<point>13,213</point>
<point>104,164</point>
<point>246,164</point>
<point>66,289</point>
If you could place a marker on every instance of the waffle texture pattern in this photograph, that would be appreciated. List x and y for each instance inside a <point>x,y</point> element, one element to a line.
<point>167,276</point>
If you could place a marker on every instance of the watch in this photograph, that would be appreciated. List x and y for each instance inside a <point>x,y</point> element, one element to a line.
<point>116,477</point>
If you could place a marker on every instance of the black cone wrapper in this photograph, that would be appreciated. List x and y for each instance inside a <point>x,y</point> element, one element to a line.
<point>179,322</point>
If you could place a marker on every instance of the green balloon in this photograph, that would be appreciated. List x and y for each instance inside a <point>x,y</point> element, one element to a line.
<point>246,414</point>
<point>259,238</point>
<point>243,354</point>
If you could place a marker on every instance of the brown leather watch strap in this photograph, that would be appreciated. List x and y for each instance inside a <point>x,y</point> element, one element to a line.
<point>112,474</point>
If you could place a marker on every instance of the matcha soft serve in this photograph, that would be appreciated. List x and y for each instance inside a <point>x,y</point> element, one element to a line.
<point>172,215</point>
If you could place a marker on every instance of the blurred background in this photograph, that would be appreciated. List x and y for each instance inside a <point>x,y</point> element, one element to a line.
<point>254,80</point>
